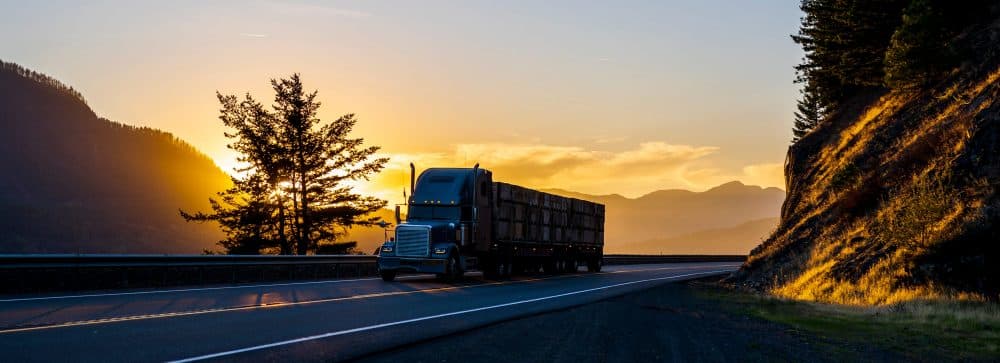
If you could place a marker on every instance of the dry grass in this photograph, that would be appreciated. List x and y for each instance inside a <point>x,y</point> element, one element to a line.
<point>920,329</point>
<point>925,207</point>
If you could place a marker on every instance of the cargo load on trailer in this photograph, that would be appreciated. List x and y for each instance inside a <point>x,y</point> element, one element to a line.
<point>460,219</point>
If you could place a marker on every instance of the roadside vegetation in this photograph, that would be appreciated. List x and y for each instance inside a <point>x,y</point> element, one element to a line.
<point>923,330</point>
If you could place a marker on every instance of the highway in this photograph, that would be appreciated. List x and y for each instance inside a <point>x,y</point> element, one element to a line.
<point>297,321</point>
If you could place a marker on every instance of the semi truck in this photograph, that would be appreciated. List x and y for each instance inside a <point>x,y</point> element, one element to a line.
<point>459,219</point>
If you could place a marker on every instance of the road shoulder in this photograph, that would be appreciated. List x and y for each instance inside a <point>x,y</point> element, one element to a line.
<point>671,322</point>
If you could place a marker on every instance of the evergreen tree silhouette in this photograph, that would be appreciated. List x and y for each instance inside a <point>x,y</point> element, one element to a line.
<point>296,167</point>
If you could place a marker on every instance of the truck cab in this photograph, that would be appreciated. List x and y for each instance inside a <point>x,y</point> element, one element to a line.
<point>447,221</point>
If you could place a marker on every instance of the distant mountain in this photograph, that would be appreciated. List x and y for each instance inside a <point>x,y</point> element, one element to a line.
<point>71,181</point>
<point>664,214</point>
<point>738,240</point>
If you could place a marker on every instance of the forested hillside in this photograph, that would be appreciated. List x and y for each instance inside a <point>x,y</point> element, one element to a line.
<point>72,182</point>
<point>893,177</point>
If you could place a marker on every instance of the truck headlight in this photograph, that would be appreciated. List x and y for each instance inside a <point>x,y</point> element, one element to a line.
<point>440,251</point>
<point>386,248</point>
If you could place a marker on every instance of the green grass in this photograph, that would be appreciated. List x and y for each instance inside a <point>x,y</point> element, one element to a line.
<point>925,330</point>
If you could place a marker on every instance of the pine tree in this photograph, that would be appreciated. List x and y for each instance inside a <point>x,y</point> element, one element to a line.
<point>845,42</point>
<point>321,158</point>
<point>922,49</point>
<point>245,213</point>
<point>808,115</point>
<point>294,197</point>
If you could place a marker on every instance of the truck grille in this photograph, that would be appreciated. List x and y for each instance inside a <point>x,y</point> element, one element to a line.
<point>413,241</point>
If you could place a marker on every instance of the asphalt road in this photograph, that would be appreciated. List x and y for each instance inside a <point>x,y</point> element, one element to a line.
<point>301,321</point>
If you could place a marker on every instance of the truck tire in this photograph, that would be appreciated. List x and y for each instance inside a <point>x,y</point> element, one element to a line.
<point>594,264</point>
<point>570,266</point>
<point>388,275</point>
<point>506,268</point>
<point>488,268</point>
<point>551,266</point>
<point>496,267</point>
<point>452,269</point>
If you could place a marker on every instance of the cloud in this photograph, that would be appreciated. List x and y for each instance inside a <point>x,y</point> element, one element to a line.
<point>644,168</point>
<point>764,175</point>
<point>770,174</point>
<point>318,10</point>
<point>253,35</point>
<point>610,140</point>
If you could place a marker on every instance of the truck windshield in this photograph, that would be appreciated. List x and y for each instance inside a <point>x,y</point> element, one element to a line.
<point>434,212</point>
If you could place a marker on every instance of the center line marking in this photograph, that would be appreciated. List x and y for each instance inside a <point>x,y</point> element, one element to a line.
<point>407,321</point>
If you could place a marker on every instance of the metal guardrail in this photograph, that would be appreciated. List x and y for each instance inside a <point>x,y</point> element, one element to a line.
<point>50,272</point>
<point>38,273</point>
<point>97,260</point>
<point>641,259</point>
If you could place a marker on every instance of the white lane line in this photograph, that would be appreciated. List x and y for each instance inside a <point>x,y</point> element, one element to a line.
<point>414,320</point>
<point>197,289</point>
<point>236,308</point>
<point>284,304</point>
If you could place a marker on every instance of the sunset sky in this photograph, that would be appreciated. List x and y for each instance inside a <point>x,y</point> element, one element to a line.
<point>620,97</point>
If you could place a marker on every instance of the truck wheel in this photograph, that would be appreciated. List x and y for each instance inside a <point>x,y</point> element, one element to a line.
<point>571,266</point>
<point>455,271</point>
<point>550,266</point>
<point>517,268</point>
<point>505,268</point>
<point>489,268</point>
<point>389,275</point>
<point>497,269</point>
<point>452,270</point>
<point>594,264</point>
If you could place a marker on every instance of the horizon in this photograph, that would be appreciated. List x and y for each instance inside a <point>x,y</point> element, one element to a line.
<point>551,84</point>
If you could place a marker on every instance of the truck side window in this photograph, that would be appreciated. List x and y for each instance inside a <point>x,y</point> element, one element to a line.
<point>484,189</point>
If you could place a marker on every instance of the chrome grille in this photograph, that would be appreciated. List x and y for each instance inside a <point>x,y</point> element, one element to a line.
<point>413,240</point>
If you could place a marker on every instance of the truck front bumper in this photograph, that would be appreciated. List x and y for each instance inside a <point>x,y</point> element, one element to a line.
<point>411,264</point>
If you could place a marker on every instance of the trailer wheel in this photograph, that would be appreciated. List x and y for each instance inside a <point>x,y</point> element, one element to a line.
<point>388,275</point>
<point>488,267</point>
<point>594,264</point>
<point>571,266</point>
<point>551,266</point>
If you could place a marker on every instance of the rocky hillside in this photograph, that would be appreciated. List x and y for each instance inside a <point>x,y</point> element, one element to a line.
<point>895,196</point>
<point>72,182</point>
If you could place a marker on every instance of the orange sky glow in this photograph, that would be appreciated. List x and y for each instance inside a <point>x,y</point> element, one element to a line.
<point>582,96</point>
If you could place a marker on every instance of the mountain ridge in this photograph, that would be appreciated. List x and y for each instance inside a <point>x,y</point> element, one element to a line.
<point>76,182</point>
<point>670,213</point>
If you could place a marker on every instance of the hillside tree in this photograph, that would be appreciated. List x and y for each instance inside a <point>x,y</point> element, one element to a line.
<point>923,49</point>
<point>808,114</point>
<point>844,43</point>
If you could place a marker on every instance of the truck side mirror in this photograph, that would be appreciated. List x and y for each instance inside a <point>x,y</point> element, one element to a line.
<point>397,215</point>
